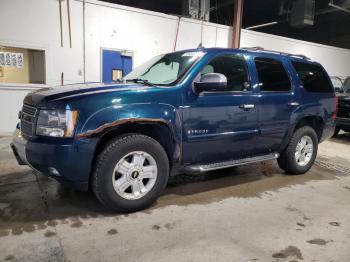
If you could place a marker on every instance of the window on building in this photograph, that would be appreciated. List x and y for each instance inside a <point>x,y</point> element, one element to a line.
<point>231,66</point>
<point>21,65</point>
<point>272,75</point>
<point>313,77</point>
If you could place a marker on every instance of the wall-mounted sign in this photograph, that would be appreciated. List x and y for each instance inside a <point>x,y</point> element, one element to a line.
<point>11,59</point>
<point>8,59</point>
<point>2,59</point>
<point>19,60</point>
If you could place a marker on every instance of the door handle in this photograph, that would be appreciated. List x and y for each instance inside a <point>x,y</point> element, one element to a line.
<point>247,106</point>
<point>293,104</point>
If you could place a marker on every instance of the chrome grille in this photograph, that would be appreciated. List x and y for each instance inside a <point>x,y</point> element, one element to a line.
<point>29,110</point>
<point>28,120</point>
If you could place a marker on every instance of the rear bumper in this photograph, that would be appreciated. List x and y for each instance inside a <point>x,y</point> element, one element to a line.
<point>67,162</point>
<point>343,122</point>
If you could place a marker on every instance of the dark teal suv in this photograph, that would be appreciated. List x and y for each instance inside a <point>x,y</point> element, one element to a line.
<point>190,111</point>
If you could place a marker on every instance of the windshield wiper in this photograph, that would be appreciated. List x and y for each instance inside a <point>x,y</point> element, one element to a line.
<point>142,81</point>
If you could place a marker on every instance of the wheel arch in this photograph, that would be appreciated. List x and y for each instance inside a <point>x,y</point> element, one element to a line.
<point>314,121</point>
<point>158,130</point>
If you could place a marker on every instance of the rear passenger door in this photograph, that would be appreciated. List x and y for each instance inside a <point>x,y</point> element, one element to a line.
<point>277,101</point>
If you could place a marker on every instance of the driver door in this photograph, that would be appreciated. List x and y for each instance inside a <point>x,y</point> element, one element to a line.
<point>221,125</point>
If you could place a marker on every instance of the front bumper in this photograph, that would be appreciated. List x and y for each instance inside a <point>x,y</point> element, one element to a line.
<point>18,146</point>
<point>69,162</point>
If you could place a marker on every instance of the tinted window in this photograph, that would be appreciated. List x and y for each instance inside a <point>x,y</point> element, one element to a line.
<point>313,77</point>
<point>272,75</point>
<point>231,66</point>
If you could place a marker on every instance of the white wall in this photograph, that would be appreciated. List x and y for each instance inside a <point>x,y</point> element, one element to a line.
<point>35,24</point>
<point>335,60</point>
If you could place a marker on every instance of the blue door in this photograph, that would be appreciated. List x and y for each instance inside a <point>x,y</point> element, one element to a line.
<point>114,64</point>
<point>222,125</point>
<point>277,102</point>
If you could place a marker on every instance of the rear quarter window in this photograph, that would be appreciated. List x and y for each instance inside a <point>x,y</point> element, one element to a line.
<point>313,77</point>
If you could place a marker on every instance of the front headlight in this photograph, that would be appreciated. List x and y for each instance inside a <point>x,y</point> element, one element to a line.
<point>56,123</point>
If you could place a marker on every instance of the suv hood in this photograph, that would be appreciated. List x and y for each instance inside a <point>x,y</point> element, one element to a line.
<point>42,96</point>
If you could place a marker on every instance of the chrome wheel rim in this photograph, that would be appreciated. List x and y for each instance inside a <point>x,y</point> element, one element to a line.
<point>134,175</point>
<point>304,151</point>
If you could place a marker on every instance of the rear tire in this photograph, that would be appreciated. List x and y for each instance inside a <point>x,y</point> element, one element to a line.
<point>130,173</point>
<point>336,131</point>
<point>300,154</point>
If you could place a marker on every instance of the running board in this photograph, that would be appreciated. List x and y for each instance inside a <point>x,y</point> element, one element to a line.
<point>231,163</point>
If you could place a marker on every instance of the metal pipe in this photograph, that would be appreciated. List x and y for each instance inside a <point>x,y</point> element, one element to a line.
<point>177,33</point>
<point>262,25</point>
<point>69,26</point>
<point>84,51</point>
<point>237,23</point>
<point>62,79</point>
<point>61,29</point>
<point>338,7</point>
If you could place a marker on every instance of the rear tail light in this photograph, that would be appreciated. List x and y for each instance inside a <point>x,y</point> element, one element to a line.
<point>336,102</point>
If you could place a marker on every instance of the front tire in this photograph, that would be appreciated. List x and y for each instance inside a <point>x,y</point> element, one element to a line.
<point>130,173</point>
<point>300,154</point>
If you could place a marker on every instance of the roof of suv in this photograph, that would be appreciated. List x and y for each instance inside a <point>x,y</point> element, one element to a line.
<point>259,50</point>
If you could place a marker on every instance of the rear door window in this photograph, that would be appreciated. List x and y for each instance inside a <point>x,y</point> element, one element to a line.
<point>272,75</point>
<point>313,77</point>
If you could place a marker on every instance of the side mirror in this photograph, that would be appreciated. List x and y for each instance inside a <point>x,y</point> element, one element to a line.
<point>211,82</point>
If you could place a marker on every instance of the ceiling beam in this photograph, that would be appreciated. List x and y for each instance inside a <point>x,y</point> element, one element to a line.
<point>237,23</point>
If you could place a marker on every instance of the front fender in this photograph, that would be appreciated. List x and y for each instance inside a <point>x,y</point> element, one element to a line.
<point>111,117</point>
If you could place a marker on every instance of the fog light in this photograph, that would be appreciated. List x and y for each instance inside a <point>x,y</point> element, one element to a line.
<point>53,171</point>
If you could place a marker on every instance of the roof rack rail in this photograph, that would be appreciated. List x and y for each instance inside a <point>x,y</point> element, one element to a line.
<point>258,48</point>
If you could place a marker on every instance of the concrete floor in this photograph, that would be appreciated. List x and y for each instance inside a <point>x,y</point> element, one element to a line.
<point>252,213</point>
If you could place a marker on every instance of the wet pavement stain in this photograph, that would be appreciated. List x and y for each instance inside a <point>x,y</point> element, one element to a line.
<point>170,226</point>
<point>49,233</point>
<point>112,232</point>
<point>266,168</point>
<point>245,182</point>
<point>155,227</point>
<point>52,223</point>
<point>335,224</point>
<point>290,251</point>
<point>301,213</point>
<point>4,233</point>
<point>318,241</point>
<point>31,202</point>
<point>77,224</point>
<point>9,257</point>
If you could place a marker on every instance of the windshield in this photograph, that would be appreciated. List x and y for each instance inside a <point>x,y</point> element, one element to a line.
<point>337,83</point>
<point>165,69</point>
